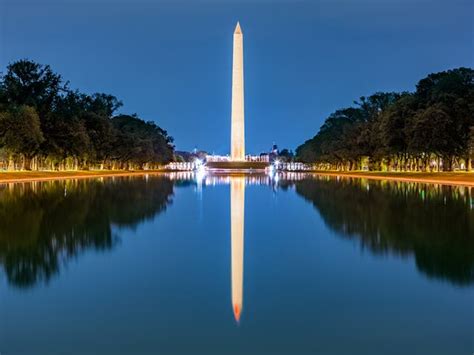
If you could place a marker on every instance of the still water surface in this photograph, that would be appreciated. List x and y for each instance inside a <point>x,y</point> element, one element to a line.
<point>184,264</point>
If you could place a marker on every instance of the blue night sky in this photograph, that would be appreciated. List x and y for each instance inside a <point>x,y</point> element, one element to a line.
<point>170,61</point>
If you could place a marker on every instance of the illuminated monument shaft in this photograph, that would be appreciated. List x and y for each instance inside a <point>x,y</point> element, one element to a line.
<point>238,122</point>
<point>237,206</point>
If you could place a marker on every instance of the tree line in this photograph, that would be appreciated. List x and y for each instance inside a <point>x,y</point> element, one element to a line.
<point>431,129</point>
<point>46,125</point>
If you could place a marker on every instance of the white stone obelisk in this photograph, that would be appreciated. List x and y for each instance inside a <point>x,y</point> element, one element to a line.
<point>238,122</point>
<point>237,212</point>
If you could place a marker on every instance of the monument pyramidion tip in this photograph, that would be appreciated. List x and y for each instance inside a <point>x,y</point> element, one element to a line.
<point>238,30</point>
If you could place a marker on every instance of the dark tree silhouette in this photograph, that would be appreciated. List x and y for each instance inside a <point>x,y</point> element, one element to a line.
<point>430,128</point>
<point>43,121</point>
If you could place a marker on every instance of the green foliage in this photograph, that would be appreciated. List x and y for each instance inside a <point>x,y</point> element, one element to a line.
<point>41,118</point>
<point>20,132</point>
<point>286,155</point>
<point>139,141</point>
<point>32,84</point>
<point>406,131</point>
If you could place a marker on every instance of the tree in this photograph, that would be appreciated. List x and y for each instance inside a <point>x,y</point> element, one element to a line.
<point>404,130</point>
<point>20,133</point>
<point>71,129</point>
<point>470,159</point>
<point>32,84</point>
<point>286,155</point>
<point>139,142</point>
<point>392,129</point>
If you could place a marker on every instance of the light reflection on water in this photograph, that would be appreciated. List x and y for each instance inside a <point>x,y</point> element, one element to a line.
<point>237,212</point>
<point>42,224</point>
<point>424,234</point>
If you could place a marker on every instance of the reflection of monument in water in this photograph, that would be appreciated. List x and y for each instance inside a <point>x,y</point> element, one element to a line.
<point>237,211</point>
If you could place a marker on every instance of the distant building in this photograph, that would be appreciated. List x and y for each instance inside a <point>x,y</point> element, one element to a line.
<point>273,153</point>
<point>274,149</point>
<point>276,155</point>
<point>189,157</point>
<point>220,158</point>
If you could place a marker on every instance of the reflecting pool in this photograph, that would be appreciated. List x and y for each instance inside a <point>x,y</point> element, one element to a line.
<point>242,264</point>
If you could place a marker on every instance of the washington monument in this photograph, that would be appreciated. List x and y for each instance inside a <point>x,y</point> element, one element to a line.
<point>238,120</point>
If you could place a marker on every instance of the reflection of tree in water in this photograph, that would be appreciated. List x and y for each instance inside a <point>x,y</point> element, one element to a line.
<point>435,223</point>
<point>43,225</point>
